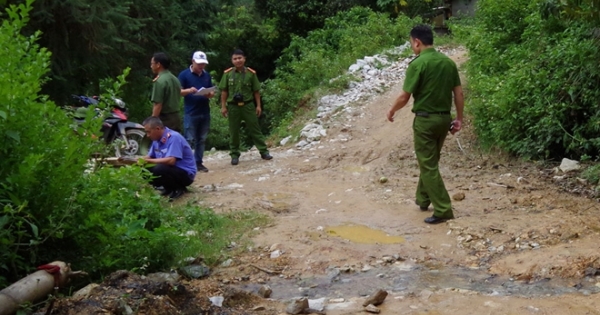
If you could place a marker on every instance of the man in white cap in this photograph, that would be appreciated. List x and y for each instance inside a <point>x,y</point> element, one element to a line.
<point>196,119</point>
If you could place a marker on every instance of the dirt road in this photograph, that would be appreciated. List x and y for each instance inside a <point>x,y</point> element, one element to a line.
<point>513,227</point>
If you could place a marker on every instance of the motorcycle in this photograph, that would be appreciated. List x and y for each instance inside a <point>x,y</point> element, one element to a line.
<point>129,138</point>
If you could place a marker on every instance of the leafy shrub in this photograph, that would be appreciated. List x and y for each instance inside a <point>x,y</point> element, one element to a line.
<point>326,53</point>
<point>534,81</point>
<point>54,205</point>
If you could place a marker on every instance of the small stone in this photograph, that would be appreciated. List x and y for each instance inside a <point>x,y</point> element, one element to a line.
<point>383,179</point>
<point>275,254</point>
<point>227,263</point>
<point>459,196</point>
<point>265,291</point>
<point>85,292</point>
<point>376,298</point>
<point>217,300</point>
<point>366,268</point>
<point>341,300</point>
<point>259,308</point>
<point>274,247</point>
<point>568,165</point>
<point>372,309</point>
<point>297,306</point>
<point>317,304</point>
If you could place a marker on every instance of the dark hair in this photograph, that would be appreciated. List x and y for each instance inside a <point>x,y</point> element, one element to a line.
<point>153,122</point>
<point>423,33</point>
<point>238,52</point>
<point>163,59</point>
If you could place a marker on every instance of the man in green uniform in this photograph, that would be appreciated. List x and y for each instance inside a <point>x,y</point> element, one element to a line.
<point>166,93</point>
<point>240,100</point>
<point>432,78</point>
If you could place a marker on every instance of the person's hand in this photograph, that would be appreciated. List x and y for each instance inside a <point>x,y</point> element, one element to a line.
<point>193,90</point>
<point>210,95</point>
<point>390,115</point>
<point>224,111</point>
<point>456,126</point>
<point>258,111</point>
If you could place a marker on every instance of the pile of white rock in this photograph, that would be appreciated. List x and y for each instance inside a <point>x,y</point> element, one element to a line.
<point>373,74</point>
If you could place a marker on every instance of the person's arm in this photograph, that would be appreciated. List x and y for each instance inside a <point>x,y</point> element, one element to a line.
<point>186,92</point>
<point>224,96</point>
<point>401,101</point>
<point>156,109</point>
<point>459,102</point>
<point>166,160</point>
<point>258,104</point>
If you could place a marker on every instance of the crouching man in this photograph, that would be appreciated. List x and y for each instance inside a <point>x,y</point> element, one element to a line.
<point>175,166</point>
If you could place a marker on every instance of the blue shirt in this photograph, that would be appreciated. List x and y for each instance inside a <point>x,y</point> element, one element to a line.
<point>195,104</point>
<point>172,144</point>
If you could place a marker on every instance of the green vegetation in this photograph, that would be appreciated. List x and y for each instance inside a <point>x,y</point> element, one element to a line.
<point>311,62</point>
<point>534,79</point>
<point>54,205</point>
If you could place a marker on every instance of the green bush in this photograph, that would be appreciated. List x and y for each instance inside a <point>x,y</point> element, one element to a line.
<point>534,81</point>
<point>311,62</point>
<point>55,205</point>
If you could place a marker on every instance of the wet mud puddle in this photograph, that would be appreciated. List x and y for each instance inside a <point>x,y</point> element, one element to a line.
<point>363,234</point>
<point>404,278</point>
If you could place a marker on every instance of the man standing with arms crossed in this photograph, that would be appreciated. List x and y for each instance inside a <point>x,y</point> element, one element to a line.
<point>196,107</point>
<point>166,92</point>
<point>240,100</point>
<point>431,78</point>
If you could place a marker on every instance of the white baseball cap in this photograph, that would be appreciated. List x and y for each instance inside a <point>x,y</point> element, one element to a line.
<point>200,57</point>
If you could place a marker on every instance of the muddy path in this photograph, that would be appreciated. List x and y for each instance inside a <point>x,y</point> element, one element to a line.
<point>518,243</point>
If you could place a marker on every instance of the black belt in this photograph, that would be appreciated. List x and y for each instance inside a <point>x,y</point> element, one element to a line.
<point>426,114</point>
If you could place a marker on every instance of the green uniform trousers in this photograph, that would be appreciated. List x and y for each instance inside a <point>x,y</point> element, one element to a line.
<point>246,113</point>
<point>171,120</point>
<point>429,135</point>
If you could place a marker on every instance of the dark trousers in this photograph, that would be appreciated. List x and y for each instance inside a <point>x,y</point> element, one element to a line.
<point>170,177</point>
<point>196,131</point>
<point>171,120</point>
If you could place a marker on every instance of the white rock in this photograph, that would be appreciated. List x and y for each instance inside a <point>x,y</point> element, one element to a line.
<point>275,254</point>
<point>285,140</point>
<point>217,300</point>
<point>354,68</point>
<point>317,304</point>
<point>568,165</point>
<point>339,300</point>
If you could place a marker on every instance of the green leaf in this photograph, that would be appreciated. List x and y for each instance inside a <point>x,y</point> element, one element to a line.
<point>34,229</point>
<point>14,135</point>
<point>3,221</point>
<point>3,114</point>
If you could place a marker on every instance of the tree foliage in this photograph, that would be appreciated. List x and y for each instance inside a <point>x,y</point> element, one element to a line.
<point>93,39</point>
<point>535,79</point>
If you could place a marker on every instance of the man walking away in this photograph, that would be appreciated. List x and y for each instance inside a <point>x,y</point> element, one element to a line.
<point>431,78</point>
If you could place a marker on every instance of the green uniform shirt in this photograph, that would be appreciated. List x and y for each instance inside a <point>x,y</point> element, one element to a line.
<point>244,82</point>
<point>167,91</point>
<point>430,78</point>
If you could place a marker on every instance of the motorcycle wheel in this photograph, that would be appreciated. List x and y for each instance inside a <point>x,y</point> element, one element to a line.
<point>138,143</point>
